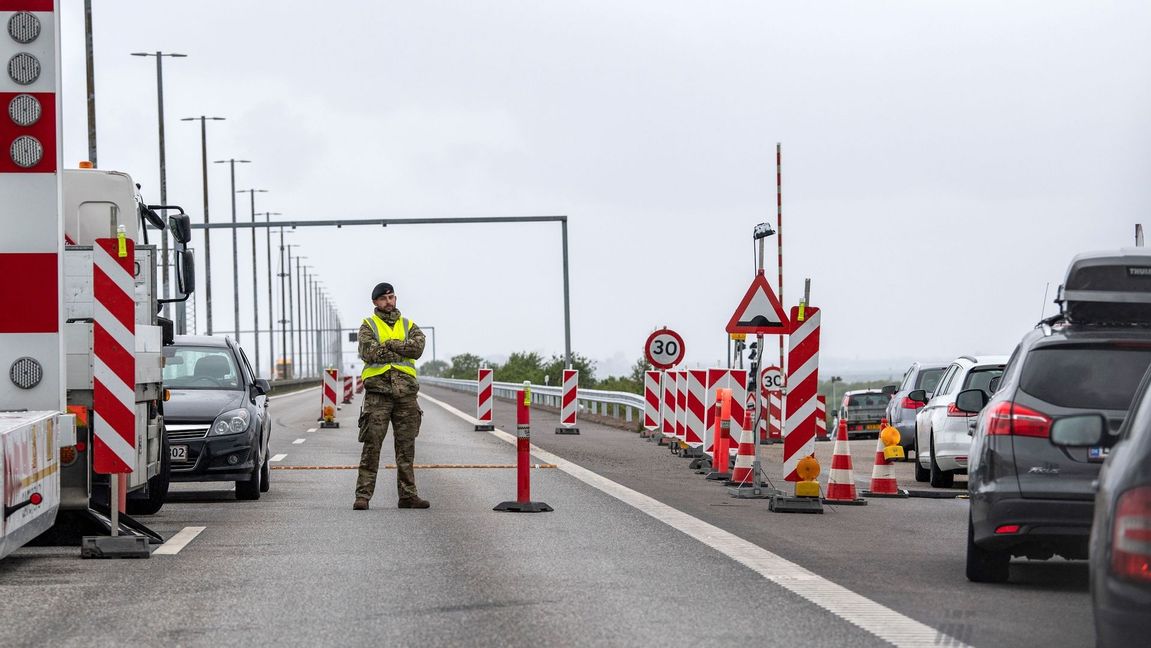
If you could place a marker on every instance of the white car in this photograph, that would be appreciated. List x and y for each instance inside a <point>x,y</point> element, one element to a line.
<point>942,431</point>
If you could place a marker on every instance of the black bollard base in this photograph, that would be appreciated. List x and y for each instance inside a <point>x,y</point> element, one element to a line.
<point>523,507</point>
<point>485,427</point>
<point>567,430</point>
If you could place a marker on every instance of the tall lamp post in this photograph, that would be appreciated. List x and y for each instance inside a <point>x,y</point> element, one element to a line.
<point>180,307</point>
<point>204,119</point>
<point>300,308</point>
<point>292,324</point>
<point>232,162</point>
<point>283,303</point>
<point>271,319</point>
<point>255,275</point>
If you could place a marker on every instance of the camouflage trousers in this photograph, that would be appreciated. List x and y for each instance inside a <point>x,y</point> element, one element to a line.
<point>405,416</point>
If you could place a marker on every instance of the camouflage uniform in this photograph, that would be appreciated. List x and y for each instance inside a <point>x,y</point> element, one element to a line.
<point>389,398</point>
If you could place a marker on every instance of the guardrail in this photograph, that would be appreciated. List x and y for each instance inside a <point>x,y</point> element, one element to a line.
<point>611,404</point>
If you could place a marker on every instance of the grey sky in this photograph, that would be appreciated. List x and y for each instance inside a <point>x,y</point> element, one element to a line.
<point>942,160</point>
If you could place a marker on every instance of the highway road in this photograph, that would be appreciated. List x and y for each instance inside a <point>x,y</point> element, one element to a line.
<point>639,551</point>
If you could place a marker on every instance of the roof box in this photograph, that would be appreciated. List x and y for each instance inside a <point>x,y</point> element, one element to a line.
<point>1108,288</point>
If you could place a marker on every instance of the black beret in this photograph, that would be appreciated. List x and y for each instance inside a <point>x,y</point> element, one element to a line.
<point>381,289</point>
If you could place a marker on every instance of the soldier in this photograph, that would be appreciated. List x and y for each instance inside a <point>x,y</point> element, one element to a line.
<point>389,347</point>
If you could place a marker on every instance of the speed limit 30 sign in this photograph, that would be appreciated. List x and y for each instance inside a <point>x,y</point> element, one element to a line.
<point>771,380</point>
<point>664,349</point>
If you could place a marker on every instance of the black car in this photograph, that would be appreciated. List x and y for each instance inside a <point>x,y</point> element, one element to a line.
<point>1029,497</point>
<point>1120,549</point>
<point>217,417</point>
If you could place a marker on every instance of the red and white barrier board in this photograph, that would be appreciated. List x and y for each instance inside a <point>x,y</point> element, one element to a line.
<point>328,395</point>
<point>348,389</point>
<point>114,361</point>
<point>802,379</point>
<point>667,405</point>
<point>775,416</point>
<point>821,417</point>
<point>569,402</point>
<point>359,384</point>
<point>484,393</point>
<point>681,405</point>
<point>736,381</point>
<point>651,399</point>
<point>696,407</point>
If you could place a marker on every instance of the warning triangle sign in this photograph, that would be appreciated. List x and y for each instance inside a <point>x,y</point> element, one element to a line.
<point>760,312</point>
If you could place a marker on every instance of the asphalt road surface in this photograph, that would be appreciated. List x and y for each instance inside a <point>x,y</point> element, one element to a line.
<point>639,551</point>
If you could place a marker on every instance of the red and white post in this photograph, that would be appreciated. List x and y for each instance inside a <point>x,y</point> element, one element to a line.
<point>359,384</point>
<point>802,380</point>
<point>484,393</point>
<point>569,403</point>
<point>821,418</point>
<point>328,400</point>
<point>348,390</point>
<point>523,502</point>
<point>667,409</point>
<point>651,402</point>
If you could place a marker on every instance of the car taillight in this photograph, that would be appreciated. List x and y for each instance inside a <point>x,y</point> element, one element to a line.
<point>1131,535</point>
<point>911,404</point>
<point>952,410</point>
<point>1007,418</point>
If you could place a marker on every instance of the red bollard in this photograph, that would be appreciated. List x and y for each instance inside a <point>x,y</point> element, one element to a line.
<point>523,503</point>
<point>722,430</point>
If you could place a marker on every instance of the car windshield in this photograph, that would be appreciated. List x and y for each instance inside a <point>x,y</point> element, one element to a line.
<point>929,379</point>
<point>981,377</point>
<point>200,368</point>
<point>1085,377</point>
<point>868,400</point>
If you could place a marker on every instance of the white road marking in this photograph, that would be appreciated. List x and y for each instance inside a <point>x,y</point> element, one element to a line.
<point>310,430</point>
<point>279,457</point>
<point>879,620</point>
<point>178,541</point>
<point>295,393</point>
<point>298,441</point>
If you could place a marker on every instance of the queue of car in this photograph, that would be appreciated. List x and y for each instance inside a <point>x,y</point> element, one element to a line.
<point>1055,440</point>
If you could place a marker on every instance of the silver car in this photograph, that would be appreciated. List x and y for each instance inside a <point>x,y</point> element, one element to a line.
<point>942,430</point>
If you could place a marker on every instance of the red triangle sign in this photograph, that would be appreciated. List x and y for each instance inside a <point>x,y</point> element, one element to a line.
<point>760,312</point>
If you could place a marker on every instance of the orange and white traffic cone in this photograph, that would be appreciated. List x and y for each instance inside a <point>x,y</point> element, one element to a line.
<point>841,478</point>
<point>745,455</point>
<point>883,483</point>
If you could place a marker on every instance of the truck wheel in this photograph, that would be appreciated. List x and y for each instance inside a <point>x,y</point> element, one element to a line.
<point>985,566</point>
<point>939,478</point>
<point>250,489</point>
<point>157,489</point>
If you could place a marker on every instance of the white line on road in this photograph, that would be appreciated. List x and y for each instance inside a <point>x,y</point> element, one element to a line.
<point>879,620</point>
<point>178,541</point>
<point>298,441</point>
<point>310,430</point>
<point>279,457</point>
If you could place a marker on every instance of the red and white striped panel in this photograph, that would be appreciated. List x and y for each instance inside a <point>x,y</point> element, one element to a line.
<point>667,408</point>
<point>349,390</point>
<point>716,380</point>
<point>651,399</point>
<point>696,407</point>
<point>31,226</point>
<point>681,405</point>
<point>328,394</point>
<point>484,393</point>
<point>821,417</point>
<point>802,379</point>
<point>359,384</point>
<point>775,416</point>
<point>114,361</point>
<point>736,381</point>
<point>569,398</point>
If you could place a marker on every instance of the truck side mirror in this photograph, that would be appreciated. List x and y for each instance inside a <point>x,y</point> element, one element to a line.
<point>186,272</point>
<point>181,227</point>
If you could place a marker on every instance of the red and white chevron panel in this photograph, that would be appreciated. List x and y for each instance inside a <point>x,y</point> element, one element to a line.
<point>651,399</point>
<point>821,417</point>
<point>484,393</point>
<point>328,394</point>
<point>775,416</point>
<point>736,381</point>
<point>114,361</point>
<point>569,398</point>
<point>802,379</point>
<point>681,405</point>
<point>359,384</point>
<point>696,407</point>
<point>667,409</point>
<point>349,390</point>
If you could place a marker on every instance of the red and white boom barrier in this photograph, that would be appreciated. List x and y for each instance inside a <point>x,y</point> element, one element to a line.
<point>569,403</point>
<point>328,400</point>
<point>484,394</point>
<point>523,502</point>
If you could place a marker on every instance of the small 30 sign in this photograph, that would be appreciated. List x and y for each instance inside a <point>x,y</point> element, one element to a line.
<point>771,379</point>
<point>664,349</point>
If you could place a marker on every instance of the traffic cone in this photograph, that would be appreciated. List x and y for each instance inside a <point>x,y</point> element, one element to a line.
<point>745,455</point>
<point>841,478</point>
<point>883,482</point>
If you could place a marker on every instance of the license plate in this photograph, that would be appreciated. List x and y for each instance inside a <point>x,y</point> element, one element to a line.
<point>1098,454</point>
<point>872,426</point>
<point>179,453</point>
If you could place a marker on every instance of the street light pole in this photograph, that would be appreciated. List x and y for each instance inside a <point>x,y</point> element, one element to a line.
<point>291,324</point>
<point>283,305</point>
<point>180,307</point>
<point>271,319</point>
<point>203,119</point>
<point>235,246</point>
<point>299,309</point>
<point>90,64</point>
<point>255,275</point>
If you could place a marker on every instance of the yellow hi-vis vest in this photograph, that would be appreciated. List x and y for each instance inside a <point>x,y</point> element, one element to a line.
<point>384,333</point>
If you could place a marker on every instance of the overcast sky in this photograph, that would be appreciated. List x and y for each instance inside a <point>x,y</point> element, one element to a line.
<point>942,161</point>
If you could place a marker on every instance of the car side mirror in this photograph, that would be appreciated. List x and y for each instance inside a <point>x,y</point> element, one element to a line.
<point>971,400</point>
<point>261,387</point>
<point>993,386</point>
<point>1081,431</point>
<point>918,395</point>
<point>890,390</point>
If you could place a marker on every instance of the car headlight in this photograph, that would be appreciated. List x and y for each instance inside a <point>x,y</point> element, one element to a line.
<point>233,422</point>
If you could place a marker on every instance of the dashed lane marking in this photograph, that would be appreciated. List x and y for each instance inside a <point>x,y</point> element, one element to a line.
<point>879,620</point>
<point>279,457</point>
<point>298,441</point>
<point>416,466</point>
<point>178,541</point>
<point>310,430</point>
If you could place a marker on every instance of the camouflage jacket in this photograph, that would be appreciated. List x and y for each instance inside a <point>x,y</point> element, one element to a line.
<point>391,383</point>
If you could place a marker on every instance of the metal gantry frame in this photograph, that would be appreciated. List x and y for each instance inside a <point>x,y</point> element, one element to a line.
<point>384,222</point>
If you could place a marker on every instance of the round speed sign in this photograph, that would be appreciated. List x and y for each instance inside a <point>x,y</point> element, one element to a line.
<point>664,349</point>
<point>771,379</point>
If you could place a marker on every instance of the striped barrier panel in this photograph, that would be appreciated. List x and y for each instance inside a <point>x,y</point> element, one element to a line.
<point>569,403</point>
<point>802,380</point>
<point>695,407</point>
<point>328,399</point>
<point>651,401</point>
<point>484,395</point>
<point>114,351</point>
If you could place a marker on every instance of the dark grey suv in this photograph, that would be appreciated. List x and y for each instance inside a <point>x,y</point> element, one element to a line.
<point>1029,497</point>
